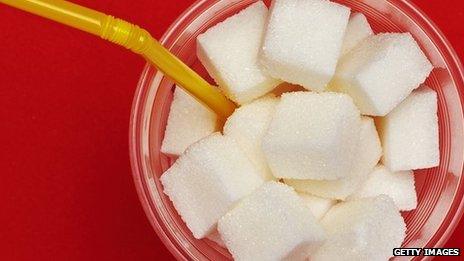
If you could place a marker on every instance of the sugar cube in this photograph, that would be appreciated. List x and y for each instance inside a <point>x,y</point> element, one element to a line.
<point>358,29</point>
<point>303,41</point>
<point>229,52</point>
<point>368,155</point>
<point>247,125</point>
<point>370,149</point>
<point>381,72</point>
<point>330,189</point>
<point>270,224</point>
<point>312,136</point>
<point>188,122</point>
<point>409,133</point>
<point>397,185</point>
<point>207,179</point>
<point>363,229</point>
<point>318,206</point>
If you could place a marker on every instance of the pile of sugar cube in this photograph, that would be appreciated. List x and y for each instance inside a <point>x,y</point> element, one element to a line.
<point>319,173</point>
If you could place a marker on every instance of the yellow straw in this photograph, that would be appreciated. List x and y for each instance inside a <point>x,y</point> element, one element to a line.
<point>134,38</point>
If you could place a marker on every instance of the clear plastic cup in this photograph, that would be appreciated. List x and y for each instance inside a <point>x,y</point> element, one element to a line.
<point>440,190</point>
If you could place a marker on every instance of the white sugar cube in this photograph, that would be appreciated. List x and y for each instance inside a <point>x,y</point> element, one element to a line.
<point>363,229</point>
<point>247,125</point>
<point>358,29</point>
<point>409,133</point>
<point>205,182</point>
<point>229,51</point>
<point>312,136</point>
<point>397,185</point>
<point>330,189</point>
<point>270,224</point>
<point>370,149</point>
<point>381,72</point>
<point>303,41</point>
<point>368,155</point>
<point>318,206</point>
<point>188,122</point>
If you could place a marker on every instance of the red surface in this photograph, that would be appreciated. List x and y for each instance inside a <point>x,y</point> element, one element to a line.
<point>66,191</point>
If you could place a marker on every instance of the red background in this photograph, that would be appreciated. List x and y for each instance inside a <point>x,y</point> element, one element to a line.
<point>66,190</point>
